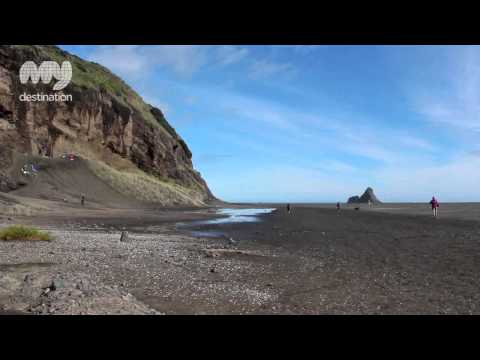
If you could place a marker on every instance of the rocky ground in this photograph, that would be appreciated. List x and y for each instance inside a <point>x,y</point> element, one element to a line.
<point>63,277</point>
<point>312,261</point>
<point>87,269</point>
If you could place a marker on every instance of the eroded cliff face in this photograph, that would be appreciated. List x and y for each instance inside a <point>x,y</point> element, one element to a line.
<point>106,121</point>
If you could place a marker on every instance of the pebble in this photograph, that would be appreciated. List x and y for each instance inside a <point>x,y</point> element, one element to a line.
<point>129,265</point>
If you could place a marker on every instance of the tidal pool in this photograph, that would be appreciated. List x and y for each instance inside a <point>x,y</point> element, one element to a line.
<point>236,215</point>
<point>231,216</point>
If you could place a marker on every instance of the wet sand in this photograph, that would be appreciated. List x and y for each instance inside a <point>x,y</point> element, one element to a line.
<point>399,261</point>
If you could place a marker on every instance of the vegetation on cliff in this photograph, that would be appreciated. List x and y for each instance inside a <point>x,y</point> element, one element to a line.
<point>90,75</point>
<point>107,123</point>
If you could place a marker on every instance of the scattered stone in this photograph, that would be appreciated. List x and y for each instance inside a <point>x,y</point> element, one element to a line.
<point>124,236</point>
<point>57,284</point>
<point>46,291</point>
<point>75,293</point>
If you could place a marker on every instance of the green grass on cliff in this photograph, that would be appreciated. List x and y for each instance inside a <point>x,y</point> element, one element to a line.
<point>25,233</point>
<point>90,75</point>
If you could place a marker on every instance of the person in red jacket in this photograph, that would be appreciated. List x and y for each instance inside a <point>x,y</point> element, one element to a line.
<point>435,206</point>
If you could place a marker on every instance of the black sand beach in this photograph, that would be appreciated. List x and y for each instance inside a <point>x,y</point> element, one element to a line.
<point>312,261</point>
<point>103,211</point>
<point>369,261</point>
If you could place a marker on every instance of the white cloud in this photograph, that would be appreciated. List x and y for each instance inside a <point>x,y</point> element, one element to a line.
<point>306,49</point>
<point>123,59</point>
<point>415,142</point>
<point>136,61</point>
<point>261,69</point>
<point>299,49</point>
<point>314,130</point>
<point>336,166</point>
<point>457,102</point>
<point>251,108</point>
<point>456,180</point>
<point>183,59</point>
<point>453,181</point>
<point>229,54</point>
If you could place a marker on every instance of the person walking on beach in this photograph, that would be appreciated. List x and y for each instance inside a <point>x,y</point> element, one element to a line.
<point>338,208</point>
<point>435,206</point>
<point>82,199</point>
<point>288,208</point>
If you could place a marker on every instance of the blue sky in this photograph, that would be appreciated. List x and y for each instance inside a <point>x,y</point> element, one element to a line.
<point>316,123</point>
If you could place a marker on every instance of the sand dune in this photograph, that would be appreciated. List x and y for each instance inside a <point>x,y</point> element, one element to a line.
<point>60,180</point>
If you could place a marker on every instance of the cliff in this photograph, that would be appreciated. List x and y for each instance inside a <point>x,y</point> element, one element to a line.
<point>106,122</point>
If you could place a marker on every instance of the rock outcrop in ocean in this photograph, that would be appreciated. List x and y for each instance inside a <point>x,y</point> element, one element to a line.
<point>367,196</point>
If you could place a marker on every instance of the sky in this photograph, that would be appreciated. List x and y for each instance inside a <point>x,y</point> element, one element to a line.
<point>316,123</point>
